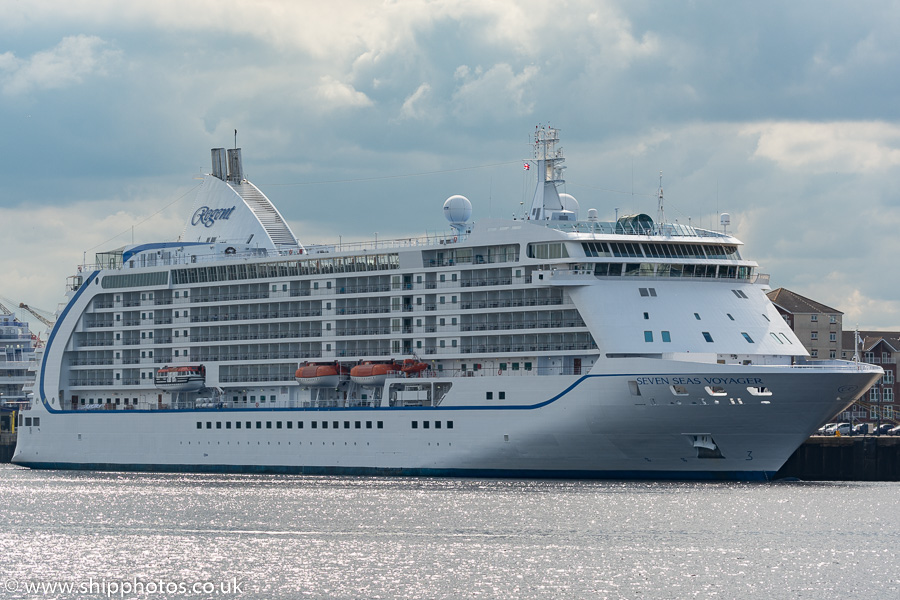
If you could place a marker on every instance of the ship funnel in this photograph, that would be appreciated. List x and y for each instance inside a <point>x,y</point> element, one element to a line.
<point>218,163</point>
<point>235,168</point>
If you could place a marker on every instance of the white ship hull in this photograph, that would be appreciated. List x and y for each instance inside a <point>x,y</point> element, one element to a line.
<point>582,427</point>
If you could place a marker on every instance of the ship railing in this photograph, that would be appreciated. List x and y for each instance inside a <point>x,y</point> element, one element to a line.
<point>830,365</point>
<point>438,239</point>
<point>635,228</point>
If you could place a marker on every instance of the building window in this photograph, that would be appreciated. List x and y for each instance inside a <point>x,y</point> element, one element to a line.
<point>832,354</point>
<point>813,318</point>
<point>832,337</point>
<point>832,319</point>
<point>873,394</point>
<point>887,394</point>
<point>814,335</point>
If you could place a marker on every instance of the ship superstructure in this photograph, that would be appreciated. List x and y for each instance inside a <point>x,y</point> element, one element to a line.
<point>544,346</point>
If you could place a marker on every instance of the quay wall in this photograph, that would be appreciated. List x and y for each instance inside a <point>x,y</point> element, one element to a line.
<point>846,458</point>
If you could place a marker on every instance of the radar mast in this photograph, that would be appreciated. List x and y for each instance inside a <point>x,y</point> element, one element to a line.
<point>549,166</point>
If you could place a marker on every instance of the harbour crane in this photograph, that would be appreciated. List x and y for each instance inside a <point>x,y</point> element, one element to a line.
<point>45,317</point>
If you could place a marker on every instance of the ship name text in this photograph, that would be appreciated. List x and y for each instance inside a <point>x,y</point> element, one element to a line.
<point>655,380</point>
<point>208,216</point>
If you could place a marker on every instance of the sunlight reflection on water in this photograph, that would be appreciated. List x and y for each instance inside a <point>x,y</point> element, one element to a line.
<point>341,537</point>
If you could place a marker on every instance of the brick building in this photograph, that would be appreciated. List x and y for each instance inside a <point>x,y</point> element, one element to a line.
<point>819,327</point>
<point>878,348</point>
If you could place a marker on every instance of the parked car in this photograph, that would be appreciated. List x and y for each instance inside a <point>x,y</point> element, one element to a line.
<point>861,429</point>
<point>894,430</point>
<point>841,429</point>
<point>823,430</point>
<point>883,428</point>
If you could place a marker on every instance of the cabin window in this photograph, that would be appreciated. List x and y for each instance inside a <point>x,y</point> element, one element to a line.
<point>380,425</point>
<point>449,424</point>
<point>747,337</point>
<point>648,336</point>
<point>707,337</point>
<point>368,424</point>
<point>415,424</point>
<point>666,337</point>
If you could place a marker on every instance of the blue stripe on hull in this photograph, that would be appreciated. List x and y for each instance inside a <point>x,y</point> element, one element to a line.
<point>417,472</point>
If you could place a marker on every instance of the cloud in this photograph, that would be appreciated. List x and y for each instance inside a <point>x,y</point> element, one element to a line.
<point>497,93</point>
<point>68,63</point>
<point>416,104</point>
<point>837,147</point>
<point>337,94</point>
<point>62,237</point>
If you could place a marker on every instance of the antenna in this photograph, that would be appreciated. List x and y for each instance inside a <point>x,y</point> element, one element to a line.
<point>660,213</point>
<point>235,139</point>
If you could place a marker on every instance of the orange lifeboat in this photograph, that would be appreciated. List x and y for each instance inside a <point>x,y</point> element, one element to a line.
<point>412,367</point>
<point>315,375</point>
<point>371,374</point>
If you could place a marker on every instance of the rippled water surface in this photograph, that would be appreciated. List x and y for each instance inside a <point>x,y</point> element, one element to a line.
<point>340,537</point>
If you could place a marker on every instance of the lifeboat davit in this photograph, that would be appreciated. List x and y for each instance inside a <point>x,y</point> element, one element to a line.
<point>319,376</point>
<point>372,374</point>
<point>187,378</point>
<point>412,367</point>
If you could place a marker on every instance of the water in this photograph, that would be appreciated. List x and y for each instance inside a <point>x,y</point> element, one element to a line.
<point>340,537</point>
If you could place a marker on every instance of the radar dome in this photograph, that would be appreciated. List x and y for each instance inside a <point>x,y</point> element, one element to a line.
<point>457,209</point>
<point>569,203</point>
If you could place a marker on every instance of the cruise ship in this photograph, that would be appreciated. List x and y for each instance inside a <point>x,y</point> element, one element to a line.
<point>17,359</point>
<point>546,345</point>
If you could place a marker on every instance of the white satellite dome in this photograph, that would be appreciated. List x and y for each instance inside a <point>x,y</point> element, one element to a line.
<point>569,203</point>
<point>457,209</point>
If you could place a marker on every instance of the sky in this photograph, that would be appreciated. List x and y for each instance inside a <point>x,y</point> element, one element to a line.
<point>358,119</point>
